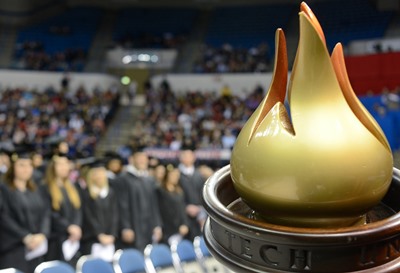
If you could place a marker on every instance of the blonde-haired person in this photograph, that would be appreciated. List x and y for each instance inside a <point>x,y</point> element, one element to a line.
<point>172,206</point>
<point>66,217</point>
<point>24,217</point>
<point>100,214</point>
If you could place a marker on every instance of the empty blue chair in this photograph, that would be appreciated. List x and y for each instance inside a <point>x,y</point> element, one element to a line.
<point>184,257</point>
<point>184,250</point>
<point>158,258</point>
<point>128,261</point>
<point>54,267</point>
<point>89,264</point>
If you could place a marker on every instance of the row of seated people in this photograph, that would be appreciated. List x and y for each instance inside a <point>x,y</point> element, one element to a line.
<point>80,210</point>
<point>60,42</point>
<point>193,120</point>
<point>39,118</point>
<point>31,55</point>
<point>230,59</point>
<point>208,120</point>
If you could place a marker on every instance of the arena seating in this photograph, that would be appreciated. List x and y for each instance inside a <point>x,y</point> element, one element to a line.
<point>147,27</point>
<point>344,21</point>
<point>71,31</point>
<point>248,26</point>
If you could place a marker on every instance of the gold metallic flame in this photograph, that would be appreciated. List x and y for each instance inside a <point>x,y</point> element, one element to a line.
<point>329,161</point>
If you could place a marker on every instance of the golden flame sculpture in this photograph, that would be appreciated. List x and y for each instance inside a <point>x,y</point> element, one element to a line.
<point>327,163</point>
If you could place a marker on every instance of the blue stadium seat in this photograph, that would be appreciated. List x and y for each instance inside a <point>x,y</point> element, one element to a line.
<point>184,257</point>
<point>128,261</point>
<point>248,26</point>
<point>54,267</point>
<point>158,258</point>
<point>89,264</point>
<point>344,21</point>
<point>153,21</point>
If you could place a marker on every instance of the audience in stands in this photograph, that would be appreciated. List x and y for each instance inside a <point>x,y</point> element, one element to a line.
<point>193,120</point>
<point>42,118</point>
<point>233,60</point>
<point>33,56</point>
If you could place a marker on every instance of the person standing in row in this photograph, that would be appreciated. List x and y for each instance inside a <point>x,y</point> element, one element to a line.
<point>100,214</point>
<point>172,207</point>
<point>24,217</point>
<point>140,218</point>
<point>192,184</point>
<point>66,211</point>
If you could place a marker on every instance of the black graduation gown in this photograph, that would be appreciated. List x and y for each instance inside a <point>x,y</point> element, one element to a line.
<point>23,213</point>
<point>60,221</point>
<point>172,211</point>
<point>138,208</point>
<point>99,216</point>
<point>192,187</point>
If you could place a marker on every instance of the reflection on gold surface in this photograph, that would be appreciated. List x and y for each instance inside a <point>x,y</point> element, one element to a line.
<point>328,162</point>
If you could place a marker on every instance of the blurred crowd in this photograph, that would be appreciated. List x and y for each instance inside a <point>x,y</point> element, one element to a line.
<point>32,55</point>
<point>230,59</point>
<point>192,120</point>
<point>43,117</point>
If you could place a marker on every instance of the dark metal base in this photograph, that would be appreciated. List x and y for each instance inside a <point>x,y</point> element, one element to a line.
<point>246,244</point>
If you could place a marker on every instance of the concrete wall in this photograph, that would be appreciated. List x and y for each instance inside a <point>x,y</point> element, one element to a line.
<point>240,83</point>
<point>42,80</point>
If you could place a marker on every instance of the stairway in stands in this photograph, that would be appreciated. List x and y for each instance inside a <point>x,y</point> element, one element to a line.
<point>8,35</point>
<point>190,51</point>
<point>120,128</point>
<point>393,30</point>
<point>101,42</point>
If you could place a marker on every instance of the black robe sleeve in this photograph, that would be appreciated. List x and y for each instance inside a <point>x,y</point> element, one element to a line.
<point>23,213</point>
<point>100,216</point>
<point>66,216</point>
<point>124,192</point>
<point>45,226</point>
<point>12,232</point>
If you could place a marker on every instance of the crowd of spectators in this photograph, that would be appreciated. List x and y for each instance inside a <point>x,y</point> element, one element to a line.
<point>32,55</point>
<point>228,58</point>
<point>192,120</point>
<point>212,120</point>
<point>43,117</point>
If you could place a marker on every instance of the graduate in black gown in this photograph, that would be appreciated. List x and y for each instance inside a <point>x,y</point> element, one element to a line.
<point>140,221</point>
<point>24,217</point>
<point>66,215</point>
<point>171,204</point>
<point>114,165</point>
<point>100,212</point>
<point>192,183</point>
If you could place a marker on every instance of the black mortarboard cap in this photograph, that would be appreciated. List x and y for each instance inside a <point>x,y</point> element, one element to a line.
<point>108,156</point>
<point>97,163</point>
<point>23,150</point>
<point>58,154</point>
